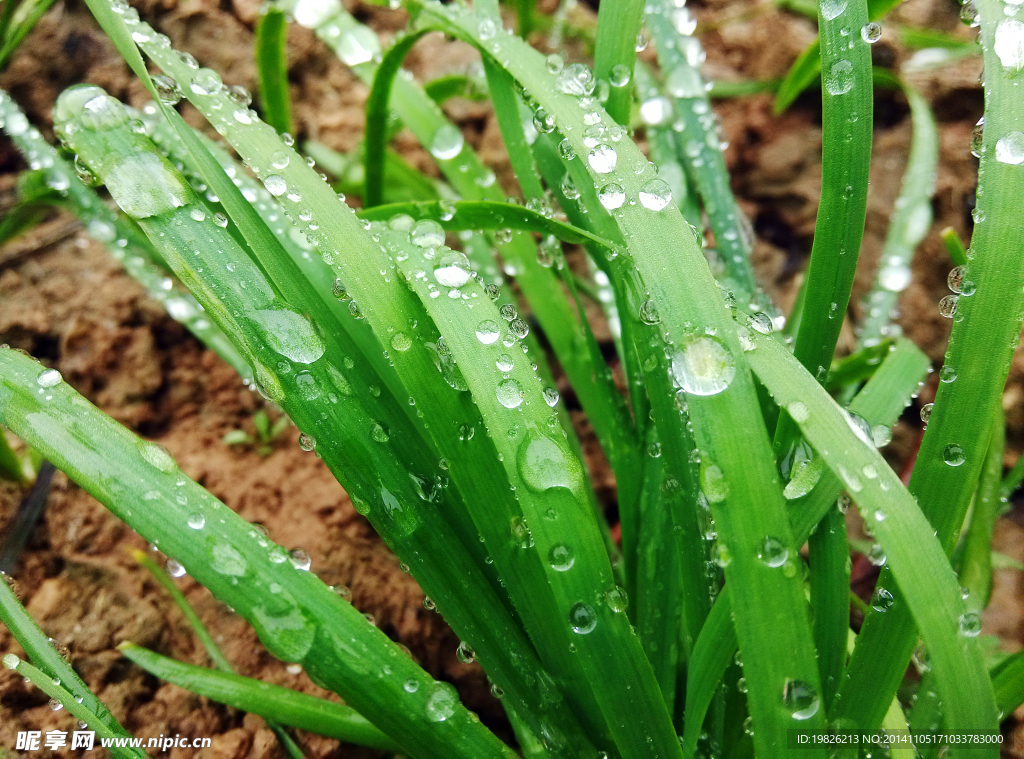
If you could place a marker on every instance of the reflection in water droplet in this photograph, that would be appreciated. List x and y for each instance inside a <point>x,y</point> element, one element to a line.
<point>583,618</point>
<point>839,79</point>
<point>703,365</point>
<point>442,702</point>
<point>447,142</point>
<point>801,699</point>
<point>772,551</point>
<point>1010,148</point>
<point>953,455</point>
<point>561,557</point>
<point>509,394</point>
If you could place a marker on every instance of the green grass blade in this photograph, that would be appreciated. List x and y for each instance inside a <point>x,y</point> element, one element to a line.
<point>272,702</point>
<point>909,222</point>
<point>451,86</point>
<point>358,47</point>
<point>304,621</point>
<point>677,281</point>
<point>385,302</point>
<point>880,402</point>
<point>12,467</point>
<point>846,127</point>
<point>212,650</point>
<point>858,366</point>
<point>807,66</point>
<point>124,240</point>
<point>954,246</point>
<point>618,25</point>
<point>24,18</point>
<point>680,56</point>
<point>377,115</point>
<point>830,599</point>
<point>1013,478</point>
<point>1008,683</point>
<point>556,519</point>
<point>487,215</point>
<point>350,431</point>
<point>48,659</point>
<point>985,332</point>
<point>930,589</point>
<point>272,69</point>
<point>45,682</point>
<point>976,560</point>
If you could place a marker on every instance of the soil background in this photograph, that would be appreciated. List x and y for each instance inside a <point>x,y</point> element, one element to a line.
<point>64,300</point>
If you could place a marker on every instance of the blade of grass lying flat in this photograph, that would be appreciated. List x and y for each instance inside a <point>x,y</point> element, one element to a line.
<point>123,239</point>
<point>680,54</point>
<point>52,688</point>
<point>48,659</point>
<point>880,402</point>
<point>909,222</point>
<point>914,555</point>
<point>808,64</point>
<point>976,560</point>
<point>272,702</point>
<point>985,332</point>
<point>304,621</point>
<point>618,25</point>
<point>747,497</point>
<point>370,275</point>
<point>212,650</point>
<point>348,432</point>
<point>272,68</point>
<point>489,215</point>
<point>218,658</point>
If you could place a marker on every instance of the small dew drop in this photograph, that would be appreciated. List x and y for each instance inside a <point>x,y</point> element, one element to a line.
<point>953,455</point>
<point>582,618</point>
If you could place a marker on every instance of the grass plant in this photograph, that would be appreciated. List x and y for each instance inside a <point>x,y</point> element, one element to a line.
<point>410,369</point>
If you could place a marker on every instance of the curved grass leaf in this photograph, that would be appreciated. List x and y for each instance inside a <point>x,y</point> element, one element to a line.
<point>52,688</point>
<point>487,215</point>
<point>914,555</point>
<point>618,25</point>
<point>747,497</point>
<point>50,661</point>
<point>303,621</point>
<point>272,69</point>
<point>478,476</point>
<point>976,560</point>
<point>880,402</point>
<point>985,333</point>
<point>909,222</point>
<point>807,66</point>
<point>272,702</point>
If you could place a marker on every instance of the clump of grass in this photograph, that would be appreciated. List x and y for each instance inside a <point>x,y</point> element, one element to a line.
<point>417,380</point>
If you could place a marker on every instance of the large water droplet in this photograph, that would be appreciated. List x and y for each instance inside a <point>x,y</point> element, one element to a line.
<point>561,557</point>
<point>447,142</point>
<point>882,600</point>
<point>655,194</point>
<point>612,196</point>
<point>358,45</point>
<point>49,378</point>
<point>452,269</point>
<point>970,624</point>
<point>1009,46</point>
<point>509,394</point>
<point>953,455</point>
<point>488,331</point>
<point>143,185</point>
<point>545,463</point>
<point>801,699</point>
<point>290,334</point>
<point>871,32</point>
<point>426,234</point>
<point>656,111</point>
<point>602,159</point>
<point>583,618</point>
<point>978,138</point>
<point>772,551</point>
<point>196,521</point>
<point>831,9</point>
<point>712,482</point>
<point>703,365</point>
<point>948,305</point>
<point>839,79</point>
<point>275,185</point>
<point>1010,148</point>
<point>157,456</point>
<point>225,559</point>
<point>575,79</point>
<point>442,702</point>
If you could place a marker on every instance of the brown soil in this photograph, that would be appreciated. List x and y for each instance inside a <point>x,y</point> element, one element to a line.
<point>65,301</point>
